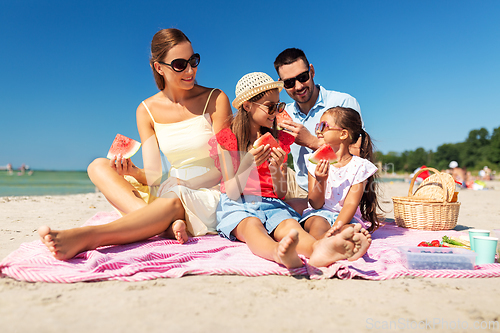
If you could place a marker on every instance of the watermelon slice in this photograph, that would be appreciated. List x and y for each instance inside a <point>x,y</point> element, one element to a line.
<point>280,117</point>
<point>325,152</point>
<point>266,139</point>
<point>127,147</point>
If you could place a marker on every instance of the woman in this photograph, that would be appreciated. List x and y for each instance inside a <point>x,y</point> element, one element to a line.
<point>179,119</point>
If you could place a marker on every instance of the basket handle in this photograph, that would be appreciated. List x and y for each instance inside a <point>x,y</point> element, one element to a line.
<point>445,190</point>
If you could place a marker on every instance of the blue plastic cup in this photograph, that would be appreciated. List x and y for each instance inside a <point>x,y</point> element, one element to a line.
<point>476,232</point>
<point>485,247</point>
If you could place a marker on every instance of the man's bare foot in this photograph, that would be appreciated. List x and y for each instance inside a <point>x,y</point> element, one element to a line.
<point>340,246</point>
<point>64,244</point>
<point>179,230</point>
<point>286,252</point>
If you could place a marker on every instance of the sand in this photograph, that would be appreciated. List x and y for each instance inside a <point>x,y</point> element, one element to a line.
<point>235,303</point>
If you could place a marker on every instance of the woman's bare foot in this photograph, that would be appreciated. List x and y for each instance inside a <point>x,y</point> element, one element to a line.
<point>342,245</point>
<point>64,244</point>
<point>286,252</point>
<point>179,230</point>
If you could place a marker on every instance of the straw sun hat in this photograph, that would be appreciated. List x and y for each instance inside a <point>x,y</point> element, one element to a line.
<point>253,84</point>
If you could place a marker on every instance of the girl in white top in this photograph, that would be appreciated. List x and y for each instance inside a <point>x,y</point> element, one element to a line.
<point>343,193</point>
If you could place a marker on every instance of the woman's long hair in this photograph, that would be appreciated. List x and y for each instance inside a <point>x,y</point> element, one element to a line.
<point>350,120</point>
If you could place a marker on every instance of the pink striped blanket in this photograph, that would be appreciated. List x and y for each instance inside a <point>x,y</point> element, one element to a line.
<point>212,255</point>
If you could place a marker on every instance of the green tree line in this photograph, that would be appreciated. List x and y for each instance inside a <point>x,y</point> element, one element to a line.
<point>479,149</point>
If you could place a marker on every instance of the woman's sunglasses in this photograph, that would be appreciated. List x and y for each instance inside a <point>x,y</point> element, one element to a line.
<point>272,108</point>
<point>302,77</point>
<point>323,126</point>
<point>178,65</point>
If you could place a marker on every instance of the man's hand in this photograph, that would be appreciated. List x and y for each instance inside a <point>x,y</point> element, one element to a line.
<point>302,135</point>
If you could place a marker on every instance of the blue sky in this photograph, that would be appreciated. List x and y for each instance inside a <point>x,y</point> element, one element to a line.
<point>73,72</point>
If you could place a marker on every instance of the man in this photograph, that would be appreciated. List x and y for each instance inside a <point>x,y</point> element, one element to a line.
<point>311,101</point>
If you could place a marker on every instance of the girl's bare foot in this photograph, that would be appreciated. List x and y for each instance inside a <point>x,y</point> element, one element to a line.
<point>342,245</point>
<point>286,252</point>
<point>65,244</point>
<point>362,241</point>
<point>179,230</point>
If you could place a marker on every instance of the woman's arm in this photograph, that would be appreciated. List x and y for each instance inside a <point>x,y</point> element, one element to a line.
<point>317,184</point>
<point>221,115</point>
<point>152,172</point>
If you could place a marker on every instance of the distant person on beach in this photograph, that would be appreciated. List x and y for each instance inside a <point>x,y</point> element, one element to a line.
<point>180,119</point>
<point>310,101</point>
<point>459,174</point>
<point>343,194</point>
<point>251,208</point>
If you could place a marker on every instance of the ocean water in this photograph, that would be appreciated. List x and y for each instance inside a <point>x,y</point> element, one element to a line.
<point>45,183</point>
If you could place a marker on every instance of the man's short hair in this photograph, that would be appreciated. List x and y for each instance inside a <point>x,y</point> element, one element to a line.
<point>289,56</point>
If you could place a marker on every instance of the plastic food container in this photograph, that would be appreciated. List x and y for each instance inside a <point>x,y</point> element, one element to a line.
<point>417,257</point>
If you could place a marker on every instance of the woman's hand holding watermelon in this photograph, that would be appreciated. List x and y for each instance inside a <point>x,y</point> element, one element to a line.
<point>123,166</point>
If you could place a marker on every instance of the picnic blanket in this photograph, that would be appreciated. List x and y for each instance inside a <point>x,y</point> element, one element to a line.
<point>213,255</point>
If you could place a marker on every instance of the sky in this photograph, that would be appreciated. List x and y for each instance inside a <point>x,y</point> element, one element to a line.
<point>72,73</point>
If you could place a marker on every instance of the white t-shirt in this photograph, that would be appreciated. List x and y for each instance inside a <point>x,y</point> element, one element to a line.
<point>340,181</point>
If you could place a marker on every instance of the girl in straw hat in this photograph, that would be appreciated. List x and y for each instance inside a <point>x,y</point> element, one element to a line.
<point>251,208</point>
<point>179,120</point>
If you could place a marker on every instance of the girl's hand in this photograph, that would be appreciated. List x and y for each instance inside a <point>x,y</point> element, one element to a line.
<point>123,166</point>
<point>171,182</point>
<point>322,170</point>
<point>276,159</point>
<point>261,154</point>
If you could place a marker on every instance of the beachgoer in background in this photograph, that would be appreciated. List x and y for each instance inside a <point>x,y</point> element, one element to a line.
<point>485,173</point>
<point>343,194</point>
<point>180,120</point>
<point>459,174</point>
<point>251,208</point>
<point>311,101</point>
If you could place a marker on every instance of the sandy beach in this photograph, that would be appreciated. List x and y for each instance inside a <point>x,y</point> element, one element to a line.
<point>236,303</point>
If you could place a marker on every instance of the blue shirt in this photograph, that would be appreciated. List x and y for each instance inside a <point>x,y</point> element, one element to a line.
<point>326,99</point>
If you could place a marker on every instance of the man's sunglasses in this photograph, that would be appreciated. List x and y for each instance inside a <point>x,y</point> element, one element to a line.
<point>323,126</point>
<point>179,65</point>
<point>271,109</point>
<point>302,77</point>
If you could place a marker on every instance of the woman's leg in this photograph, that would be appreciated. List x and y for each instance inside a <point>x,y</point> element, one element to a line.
<point>251,231</point>
<point>138,225</point>
<point>117,190</point>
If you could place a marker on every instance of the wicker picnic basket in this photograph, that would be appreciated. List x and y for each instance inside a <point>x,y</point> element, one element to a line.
<point>431,206</point>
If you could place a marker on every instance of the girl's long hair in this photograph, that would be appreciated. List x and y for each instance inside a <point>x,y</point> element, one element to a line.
<point>241,125</point>
<point>350,120</point>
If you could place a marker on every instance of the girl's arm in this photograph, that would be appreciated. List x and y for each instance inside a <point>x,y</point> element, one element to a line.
<point>317,184</point>
<point>279,179</point>
<point>351,204</point>
<point>235,182</point>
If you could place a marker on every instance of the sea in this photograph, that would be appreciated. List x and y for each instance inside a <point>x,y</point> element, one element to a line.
<point>36,182</point>
<point>62,182</point>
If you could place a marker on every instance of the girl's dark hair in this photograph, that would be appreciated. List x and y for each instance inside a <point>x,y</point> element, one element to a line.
<point>350,120</point>
<point>163,41</point>
<point>241,125</point>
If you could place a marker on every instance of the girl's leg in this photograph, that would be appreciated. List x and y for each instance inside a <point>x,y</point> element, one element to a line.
<point>251,231</point>
<point>325,251</point>
<point>138,225</point>
<point>115,188</point>
<point>317,226</point>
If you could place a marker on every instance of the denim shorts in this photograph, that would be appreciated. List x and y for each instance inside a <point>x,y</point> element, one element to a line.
<point>331,217</point>
<point>270,211</point>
